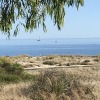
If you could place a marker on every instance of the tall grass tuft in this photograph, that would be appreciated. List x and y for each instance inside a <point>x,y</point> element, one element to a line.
<point>58,85</point>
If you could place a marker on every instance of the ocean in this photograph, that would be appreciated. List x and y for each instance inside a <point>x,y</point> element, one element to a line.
<point>50,47</point>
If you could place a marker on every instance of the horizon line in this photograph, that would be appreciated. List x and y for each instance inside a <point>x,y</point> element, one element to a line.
<point>52,38</point>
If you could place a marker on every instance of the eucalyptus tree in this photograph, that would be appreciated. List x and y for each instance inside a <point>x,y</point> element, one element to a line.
<point>32,13</point>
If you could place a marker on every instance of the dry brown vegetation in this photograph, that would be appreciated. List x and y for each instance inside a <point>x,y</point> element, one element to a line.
<point>54,85</point>
<point>58,85</point>
<point>13,91</point>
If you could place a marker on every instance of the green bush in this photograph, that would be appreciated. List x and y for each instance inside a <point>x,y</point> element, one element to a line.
<point>12,72</point>
<point>27,77</point>
<point>17,69</point>
<point>6,78</point>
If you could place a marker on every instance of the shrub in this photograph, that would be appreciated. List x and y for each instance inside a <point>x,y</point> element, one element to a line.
<point>97,60</point>
<point>12,72</point>
<point>17,69</point>
<point>5,78</point>
<point>27,77</point>
<point>50,62</point>
<point>68,64</point>
<point>50,57</point>
<point>5,64</point>
<point>57,85</point>
<point>85,62</point>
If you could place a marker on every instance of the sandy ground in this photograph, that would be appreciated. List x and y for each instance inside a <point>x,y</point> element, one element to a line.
<point>56,60</point>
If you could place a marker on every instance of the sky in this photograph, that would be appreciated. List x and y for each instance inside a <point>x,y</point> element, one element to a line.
<point>82,23</point>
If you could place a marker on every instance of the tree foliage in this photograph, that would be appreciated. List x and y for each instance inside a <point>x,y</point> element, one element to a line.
<point>33,13</point>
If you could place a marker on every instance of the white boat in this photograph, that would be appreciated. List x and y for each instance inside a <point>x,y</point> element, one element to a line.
<point>38,39</point>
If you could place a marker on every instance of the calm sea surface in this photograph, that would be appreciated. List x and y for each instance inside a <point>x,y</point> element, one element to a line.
<point>49,47</point>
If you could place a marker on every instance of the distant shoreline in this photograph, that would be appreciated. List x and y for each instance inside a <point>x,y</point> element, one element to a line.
<point>66,55</point>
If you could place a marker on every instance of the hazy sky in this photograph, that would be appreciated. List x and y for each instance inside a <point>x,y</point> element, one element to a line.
<point>84,23</point>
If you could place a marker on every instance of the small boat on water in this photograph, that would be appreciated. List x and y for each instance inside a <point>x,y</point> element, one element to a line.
<point>38,39</point>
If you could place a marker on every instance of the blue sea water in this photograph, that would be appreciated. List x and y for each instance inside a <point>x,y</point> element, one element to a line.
<point>50,47</point>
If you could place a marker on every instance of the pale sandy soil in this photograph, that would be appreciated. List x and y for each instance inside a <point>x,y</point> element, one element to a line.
<point>86,67</point>
<point>56,60</point>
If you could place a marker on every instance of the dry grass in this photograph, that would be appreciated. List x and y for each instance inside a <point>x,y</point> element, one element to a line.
<point>13,91</point>
<point>88,76</point>
<point>88,79</point>
<point>59,85</point>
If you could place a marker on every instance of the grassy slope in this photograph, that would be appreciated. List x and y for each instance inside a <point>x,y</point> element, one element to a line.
<point>88,76</point>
